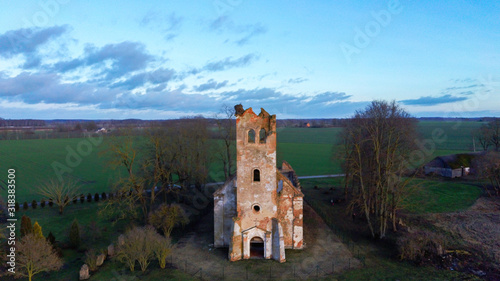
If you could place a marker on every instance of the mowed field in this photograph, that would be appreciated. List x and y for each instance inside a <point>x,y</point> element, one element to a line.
<point>310,151</point>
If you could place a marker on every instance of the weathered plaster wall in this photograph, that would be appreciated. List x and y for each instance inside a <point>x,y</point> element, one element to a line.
<point>298,236</point>
<point>224,212</point>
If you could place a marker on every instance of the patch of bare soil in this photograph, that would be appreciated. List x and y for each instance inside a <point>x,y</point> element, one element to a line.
<point>323,256</point>
<point>479,227</point>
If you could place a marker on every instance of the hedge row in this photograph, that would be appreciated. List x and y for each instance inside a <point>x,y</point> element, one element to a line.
<point>89,198</point>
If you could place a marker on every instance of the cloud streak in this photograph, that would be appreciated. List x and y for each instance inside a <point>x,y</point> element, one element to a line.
<point>249,31</point>
<point>27,40</point>
<point>123,58</point>
<point>210,85</point>
<point>430,101</point>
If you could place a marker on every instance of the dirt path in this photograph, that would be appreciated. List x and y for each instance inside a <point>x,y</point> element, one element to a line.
<point>479,226</point>
<point>324,254</point>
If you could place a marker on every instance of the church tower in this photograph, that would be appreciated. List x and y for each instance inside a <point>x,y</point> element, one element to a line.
<point>256,200</point>
<point>256,168</point>
<point>258,213</point>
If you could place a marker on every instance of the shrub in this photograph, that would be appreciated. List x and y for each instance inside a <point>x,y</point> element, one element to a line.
<point>82,198</point>
<point>96,197</point>
<point>37,230</point>
<point>166,217</point>
<point>25,205</point>
<point>89,197</point>
<point>91,259</point>
<point>51,239</point>
<point>104,196</point>
<point>420,245</point>
<point>139,246</point>
<point>34,204</point>
<point>74,235</point>
<point>51,202</point>
<point>26,227</point>
<point>111,195</point>
<point>16,206</point>
<point>42,203</point>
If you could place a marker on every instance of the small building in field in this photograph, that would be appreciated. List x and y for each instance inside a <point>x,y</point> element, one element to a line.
<point>451,166</point>
<point>258,213</point>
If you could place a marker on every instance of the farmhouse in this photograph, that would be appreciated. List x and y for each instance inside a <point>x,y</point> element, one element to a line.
<point>258,213</point>
<point>451,166</point>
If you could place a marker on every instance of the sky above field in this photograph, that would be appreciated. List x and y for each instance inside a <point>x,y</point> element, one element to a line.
<point>67,59</point>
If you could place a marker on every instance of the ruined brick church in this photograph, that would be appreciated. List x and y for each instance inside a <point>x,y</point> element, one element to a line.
<point>258,213</point>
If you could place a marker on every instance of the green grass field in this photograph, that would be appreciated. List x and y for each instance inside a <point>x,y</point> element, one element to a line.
<point>34,162</point>
<point>457,135</point>
<point>433,196</point>
<point>308,150</point>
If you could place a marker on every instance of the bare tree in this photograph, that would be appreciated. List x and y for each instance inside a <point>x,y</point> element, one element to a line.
<point>166,217</point>
<point>487,167</point>
<point>483,135</point>
<point>226,130</point>
<point>489,134</point>
<point>157,166</point>
<point>139,245</point>
<point>494,128</point>
<point>130,189</point>
<point>161,247</point>
<point>128,252</point>
<point>61,192</point>
<point>35,255</point>
<point>189,138</point>
<point>377,141</point>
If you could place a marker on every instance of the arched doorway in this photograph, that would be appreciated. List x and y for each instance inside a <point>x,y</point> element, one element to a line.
<point>256,248</point>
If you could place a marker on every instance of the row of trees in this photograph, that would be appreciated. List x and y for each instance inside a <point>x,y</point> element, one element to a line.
<point>160,166</point>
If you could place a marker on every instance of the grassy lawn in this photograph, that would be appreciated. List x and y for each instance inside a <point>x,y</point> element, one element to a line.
<point>309,159</point>
<point>441,196</point>
<point>458,135</point>
<point>309,135</point>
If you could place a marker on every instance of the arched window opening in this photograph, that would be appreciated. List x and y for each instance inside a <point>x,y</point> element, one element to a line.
<point>251,136</point>
<point>256,175</point>
<point>262,135</point>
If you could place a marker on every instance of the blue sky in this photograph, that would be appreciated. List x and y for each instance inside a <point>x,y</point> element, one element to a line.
<point>297,59</point>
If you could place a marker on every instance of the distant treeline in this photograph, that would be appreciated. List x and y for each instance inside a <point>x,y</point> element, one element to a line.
<point>91,126</point>
<point>22,123</point>
<point>70,124</point>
